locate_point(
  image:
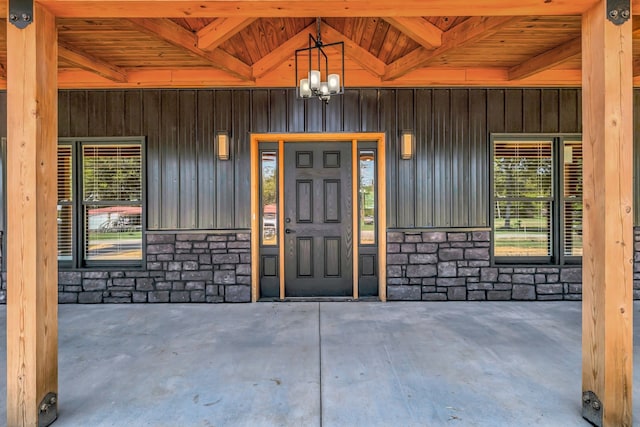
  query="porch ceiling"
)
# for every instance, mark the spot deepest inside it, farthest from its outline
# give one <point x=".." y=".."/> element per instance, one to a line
<point x="204" y="44"/>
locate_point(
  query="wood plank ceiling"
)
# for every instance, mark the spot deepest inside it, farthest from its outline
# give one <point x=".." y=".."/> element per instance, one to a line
<point x="380" y="51"/>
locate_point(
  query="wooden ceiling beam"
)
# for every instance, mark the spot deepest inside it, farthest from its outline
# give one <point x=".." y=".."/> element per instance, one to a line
<point x="286" y="50"/>
<point x="470" y="31"/>
<point x="353" y="50"/>
<point x="546" y="60"/>
<point x="179" y="36"/>
<point x="418" y="29"/>
<point x="91" y="63"/>
<point x="306" y="8"/>
<point x="220" y="30"/>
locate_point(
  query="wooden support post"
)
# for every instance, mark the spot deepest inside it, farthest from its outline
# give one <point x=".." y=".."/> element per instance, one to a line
<point x="32" y="262"/>
<point x="607" y="327"/>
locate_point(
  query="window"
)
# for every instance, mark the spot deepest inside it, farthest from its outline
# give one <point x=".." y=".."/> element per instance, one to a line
<point x="100" y="202"/>
<point x="537" y="190"/>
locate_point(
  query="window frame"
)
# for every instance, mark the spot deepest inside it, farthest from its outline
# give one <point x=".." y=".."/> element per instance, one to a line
<point x="78" y="236"/>
<point x="557" y="256"/>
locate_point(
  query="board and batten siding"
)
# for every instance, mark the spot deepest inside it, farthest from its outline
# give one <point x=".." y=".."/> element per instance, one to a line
<point x="445" y="184"/>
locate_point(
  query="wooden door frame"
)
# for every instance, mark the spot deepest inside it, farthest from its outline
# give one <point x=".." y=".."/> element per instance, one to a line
<point x="381" y="189"/>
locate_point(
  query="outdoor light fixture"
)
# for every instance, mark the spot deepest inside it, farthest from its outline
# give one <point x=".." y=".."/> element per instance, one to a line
<point x="310" y="79"/>
<point x="222" y="138"/>
<point x="406" y="145"/>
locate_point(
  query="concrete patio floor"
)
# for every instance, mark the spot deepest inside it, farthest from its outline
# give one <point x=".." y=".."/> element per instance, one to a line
<point x="313" y="364"/>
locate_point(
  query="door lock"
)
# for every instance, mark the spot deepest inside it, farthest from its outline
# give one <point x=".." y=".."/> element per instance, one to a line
<point x="289" y="231"/>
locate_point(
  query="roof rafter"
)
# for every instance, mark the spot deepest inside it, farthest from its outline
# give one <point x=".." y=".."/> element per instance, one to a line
<point x="220" y="30"/>
<point x="179" y="36"/>
<point x="357" y="53"/>
<point x="306" y="8"/>
<point x="470" y="31"/>
<point x="90" y="63"/>
<point x="418" y="29"/>
<point x="546" y="60"/>
<point x="274" y="59"/>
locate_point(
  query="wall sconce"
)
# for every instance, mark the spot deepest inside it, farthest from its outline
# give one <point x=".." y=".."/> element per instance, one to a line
<point x="406" y="145"/>
<point x="222" y="139"/>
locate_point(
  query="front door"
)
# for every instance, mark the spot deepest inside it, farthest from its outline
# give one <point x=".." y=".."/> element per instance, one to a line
<point x="318" y="219"/>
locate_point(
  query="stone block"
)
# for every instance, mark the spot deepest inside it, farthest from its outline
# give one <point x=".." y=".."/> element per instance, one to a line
<point x="573" y="297"/>
<point x="422" y="270"/>
<point x="434" y="236"/>
<point x="546" y="289"/>
<point x="480" y="236"/>
<point x="397" y="281"/>
<point x="138" y="297"/>
<point x="524" y="292"/>
<point x="456" y="237"/>
<point x="186" y="257"/>
<point x="525" y="279"/>
<point x="154" y="266"/>
<point x="505" y="270"/>
<point x="397" y="259"/>
<point x="468" y="272"/>
<point x="69" y="278"/>
<point x="413" y="238"/>
<point x="476" y="295"/>
<point x="163" y="286"/>
<point x="408" y="248"/>
<point x="165" y="248"/>
<point x="90" y="297"/>
<point x="217" y="238"/>
<point x="223" y="277"/>
<point x="477" y="254"/>
<point x="160" y="238"/>
<point x="200" y="245"/>
<point x="184" y="246"/>
<point x="191" y="237"/>
<point x="158" y="296"/>
<point x="394" y="271"/>
<point x="524" y="270"/>
<point x="94" y="284"/>
<point x="197" y="296"/>
<point x="179" y="296"/>
<point x="447" y="269"/>
<point x="504" y="278"/>
<point x="393" y="248"/>
<point x="480" y="286"/>
<point x="423" y="259"/>
<point x="450" y="281"/>
<point x="237" y="293"/>
<point x="540" y="278"/>
<point x="575" y="288"/>
<point x="239" y="245"/>
<point x="95" y="275"/>
<point x="144" y="284"/>
<point x="451" y="254"/>
<point x="165" y="257"/>
<point x="434" y="297"/>
<point x="547" y="270"/>
<point x="225" y="259"/>
<point x="243" y="280"/>
<point x="404" y="293"/>
<point x="427" y="248"/>
<point x="67" y="297"/>
<point x="488" y="274"/>
<point x="196" y="275"/>
<point x="502" y="286"/>
<point x="551" y="297"/>
<point x="124" y="282"/>
<point x="243" y="236"/>
<point x="177" y="286"/>
<point x="457" y="293"/>
<point x="498" y="295"/>
<point x="243" y="269"/>
<point x="190" y="265"/>
<point x="117" y="300"/>
<point x="571" y="275"/>
<point x="395" y="237"/>
<point x="211" y="290"/>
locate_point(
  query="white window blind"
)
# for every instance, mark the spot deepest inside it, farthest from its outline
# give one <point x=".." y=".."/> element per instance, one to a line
<point x="572" y="198"/>
<point x="65" y="202"/>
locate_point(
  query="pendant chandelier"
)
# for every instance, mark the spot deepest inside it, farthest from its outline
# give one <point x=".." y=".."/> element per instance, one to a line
<point x="312" y="66"/>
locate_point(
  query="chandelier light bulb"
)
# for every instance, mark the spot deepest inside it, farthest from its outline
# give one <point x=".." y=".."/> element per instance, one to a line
<point x="334" y="83"/>
<point x="305" y="89"/>
<point x="314" y="79"/>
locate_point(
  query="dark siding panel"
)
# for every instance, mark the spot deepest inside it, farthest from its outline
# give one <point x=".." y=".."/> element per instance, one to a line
<point x="206" y="160"/>
<point x="296" y="113"/>
<point x="369" y="110"/>
<point x="169" y="160"/>
<point x="406" y="168"/>
<point x="225" y="206"/>
<point x="78" y="114"/>
<point x="479" y="158"/>
<point x="495" y="111"/>
<point x="187" y="152"/>
<point x="151" y="128"/>
<point x="133" y="113"/>
<point x="97" y="102"/>
<point x="242" y="187"/>
<point x="442" y="157"/>
<point x="513" y="109"/>
<point x="259" y="110"/>
<point x="278" y="110"/>
<point x="389" y="124"/>
<point x="460" y="147"/>
<point x="424" y="158"/>
<point x="550" y="117"/>
<point x="315" y="115"/>
<point x="532" y="112"/>
<point x="63" y="112"/>
<point x="114" y="114"/>
<point x="351" y="105"/>
<point x="570" y="110"/>
<point x="333" y="113"/>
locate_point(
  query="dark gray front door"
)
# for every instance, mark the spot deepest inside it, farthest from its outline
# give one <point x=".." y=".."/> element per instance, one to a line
<point x="318" y="222"/>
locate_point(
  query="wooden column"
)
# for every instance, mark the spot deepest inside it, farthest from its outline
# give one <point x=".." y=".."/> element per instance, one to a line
<point x="608" y="221"/>
<point x="32" y="264"/>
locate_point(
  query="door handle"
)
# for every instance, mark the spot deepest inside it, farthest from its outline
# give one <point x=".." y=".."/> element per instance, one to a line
<point x="289" y="231"/>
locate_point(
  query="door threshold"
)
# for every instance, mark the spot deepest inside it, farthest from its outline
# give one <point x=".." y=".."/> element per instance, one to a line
<point x="320" y="299"/>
